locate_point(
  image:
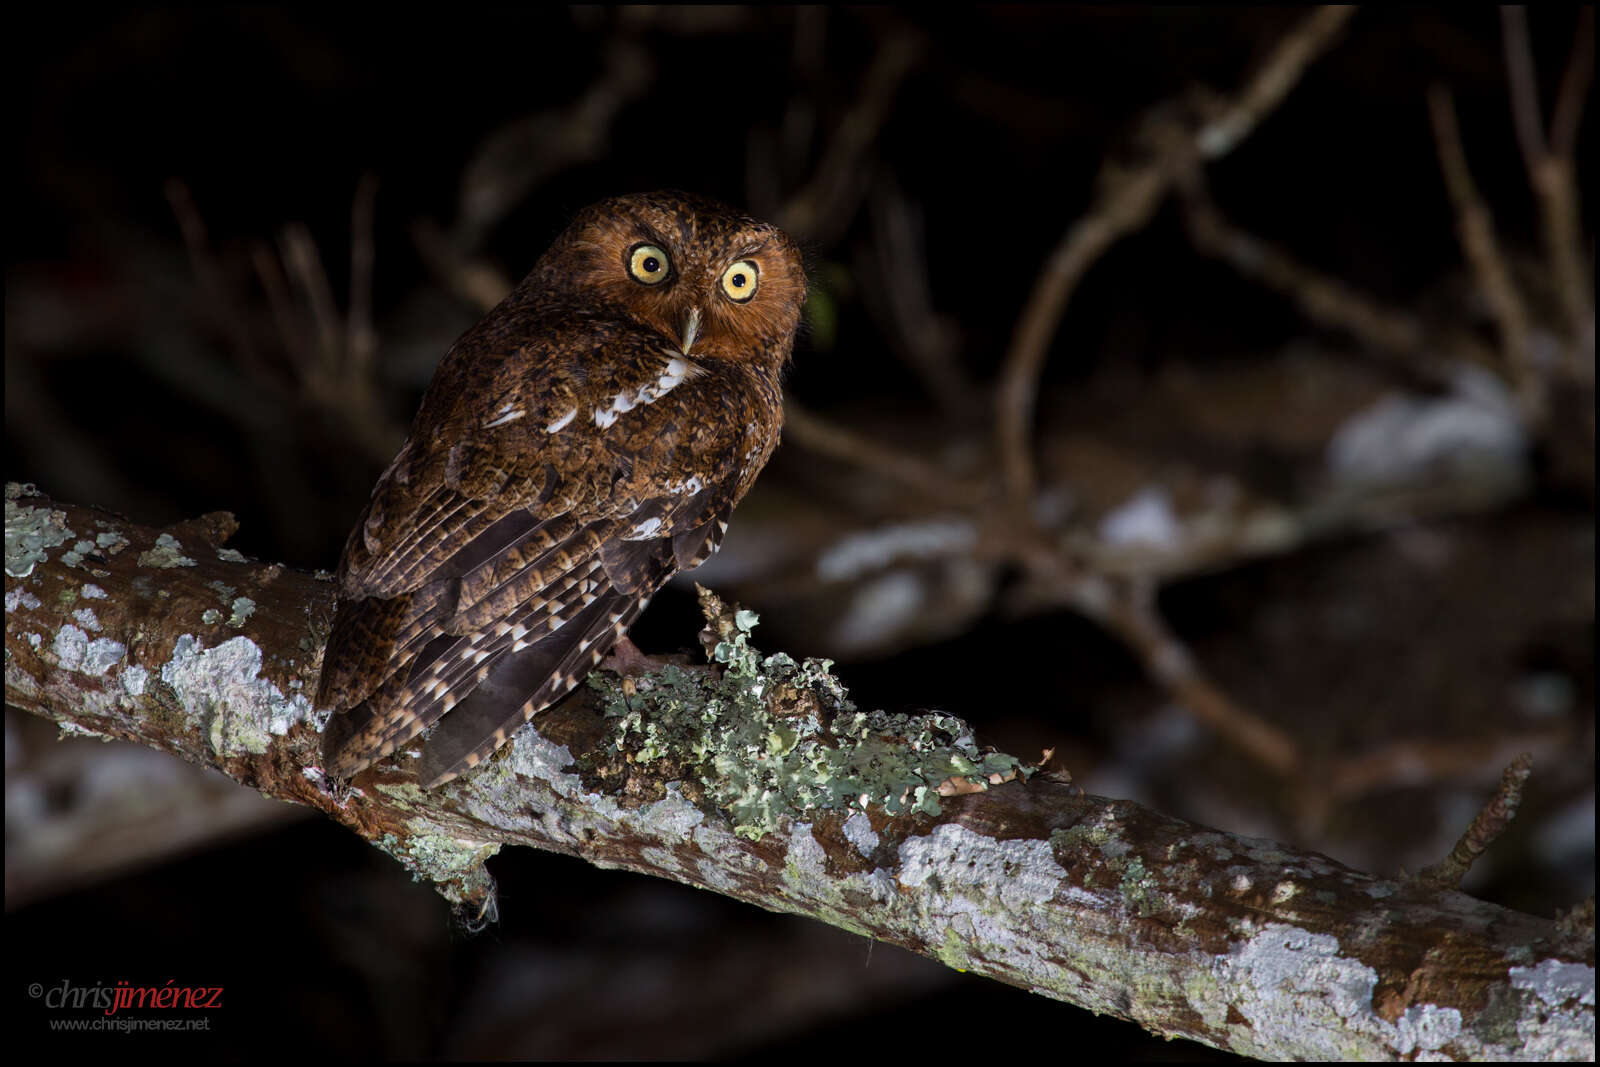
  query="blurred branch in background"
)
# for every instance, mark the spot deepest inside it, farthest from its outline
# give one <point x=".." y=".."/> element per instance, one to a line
<point x="823" y="207"/>
<point x="1553" y="172"/>
<point x="1098" y="577"/>
<point x="1126" y="199"/>
<point x="519" y="156"/>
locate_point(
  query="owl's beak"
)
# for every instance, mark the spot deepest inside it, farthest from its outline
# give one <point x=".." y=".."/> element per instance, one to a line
<point x="691" y="330"/>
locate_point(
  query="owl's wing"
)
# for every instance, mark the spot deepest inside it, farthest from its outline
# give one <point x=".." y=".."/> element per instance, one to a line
<point x="526" y="661"/>
<point x="490" y="575"/>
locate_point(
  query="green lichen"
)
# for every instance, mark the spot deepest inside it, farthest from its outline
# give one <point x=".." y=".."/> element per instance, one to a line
<point x="1139" y="887"/>
<point x="168" y="552"/>
<point x="774" y="738"/>
<point x="243" y="608"/>
<point x="454" y="866"/>
<point x="30" y="531"/>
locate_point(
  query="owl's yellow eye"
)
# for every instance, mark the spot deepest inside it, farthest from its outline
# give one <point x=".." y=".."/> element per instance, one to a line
<point x="739" y="282"/>
<point x="649" y="264"/>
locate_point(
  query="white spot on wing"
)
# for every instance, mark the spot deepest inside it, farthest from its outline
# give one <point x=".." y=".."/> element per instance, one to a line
<point x="561" y="423"/>
<point x="677" y="369"/>
<point x="504" y="418"/>
<point x="644" y="530"/>
<point x="688" y="486"/>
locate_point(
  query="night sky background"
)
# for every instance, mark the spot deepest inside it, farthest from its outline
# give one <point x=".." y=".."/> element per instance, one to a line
<point x="147" y="382"/>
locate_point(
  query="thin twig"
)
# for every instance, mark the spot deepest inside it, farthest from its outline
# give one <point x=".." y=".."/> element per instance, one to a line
<point x="1525" y="110"/>
<point x="1574" y="92"/>
<point x="361" y="338"/>
<point x="1124" y="607"/>
<point x="1490" y="822"/>
<point x="1128" y="610"/>
<point x="900" y="296"/>
<point x="210" y="274"/>
<point x="1275" y="79"/>
<point x="1553" y="175"/>
<point x="1322" y="298"/>
<point x="821" y="435"/>
<point x="1119" y="212"/>
<point x="269" y="271"/>
<point x="474" y="281"/>
<point x="1475" y="228"/>
<point x="304" y="263"/>
<point x="826" y="203"/>
<point x="1125" y="202"/>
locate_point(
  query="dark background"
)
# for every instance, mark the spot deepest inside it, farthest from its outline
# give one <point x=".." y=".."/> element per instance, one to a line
<point x="156" y="380"/>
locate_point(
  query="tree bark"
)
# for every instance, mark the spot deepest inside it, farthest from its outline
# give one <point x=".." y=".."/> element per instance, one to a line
<point x="166" y="638"/>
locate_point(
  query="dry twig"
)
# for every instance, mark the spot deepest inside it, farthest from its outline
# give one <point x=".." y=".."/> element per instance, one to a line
<point x="823" y="207"/>
<point x="1490" y="822"/>
<point x="1126" y="201"/>
<point x="1323" y="299"/>
<point x="1553" y="174"/>
<point x="1475" y="226"/>
<point x="812" y="431"/>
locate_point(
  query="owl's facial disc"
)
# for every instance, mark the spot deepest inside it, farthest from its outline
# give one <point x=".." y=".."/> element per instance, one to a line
<point x="691" y="330"/>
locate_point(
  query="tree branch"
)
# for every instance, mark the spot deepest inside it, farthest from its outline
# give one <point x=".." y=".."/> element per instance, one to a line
<point x="1125" y="201"/>
<point x="165" y="638"/>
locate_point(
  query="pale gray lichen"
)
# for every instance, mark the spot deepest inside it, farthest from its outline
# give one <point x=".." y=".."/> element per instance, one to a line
<point x="30" y="532"/>
<point x="134" y="679"/>
<point x="859" y="832"/>
<point x="102" y="654"/>
<point x="72" y="729"/>
<point x="1018" y="872"/>
<point x="231" y="555"/>
<point x="75" y="652"/>
<point x="211" y="616"/>
<point x="243" y="608"/>
<point x="91" y="591"/>
<point x="19" y="597"/>
<point x="775" y="739"/>
<point x="74" y="556"/>
<point x="1563" y="1026"/>
<point x="1556" y="983"/>
<point x="1284" y="971"/>
<point x="223" y="688"/>
<point x="981" y="889"/>
<point x="86" y="618"/>
<point x="112" y="541"/>
<point x="1424" y="1028"/>
<point x="673" y="817"/>
<point x="166" y="553"/>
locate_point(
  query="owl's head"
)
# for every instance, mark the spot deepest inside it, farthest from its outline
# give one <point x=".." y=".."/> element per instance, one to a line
<point x="716" y="283"/>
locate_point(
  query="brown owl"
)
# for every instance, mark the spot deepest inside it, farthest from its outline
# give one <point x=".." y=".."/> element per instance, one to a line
<point x="578" y="447"/>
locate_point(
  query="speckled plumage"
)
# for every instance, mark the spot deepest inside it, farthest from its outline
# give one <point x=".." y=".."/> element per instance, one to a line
<point x="578" y="447"/>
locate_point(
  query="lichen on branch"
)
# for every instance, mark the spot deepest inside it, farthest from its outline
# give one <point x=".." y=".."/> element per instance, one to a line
<point x="770" y="738"/>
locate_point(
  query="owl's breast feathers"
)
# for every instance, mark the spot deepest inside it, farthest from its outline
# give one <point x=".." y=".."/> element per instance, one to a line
<point x="554" y="479"/>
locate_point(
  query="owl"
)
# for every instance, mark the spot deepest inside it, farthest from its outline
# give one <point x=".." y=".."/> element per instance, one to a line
<point x="579" y="446"/>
